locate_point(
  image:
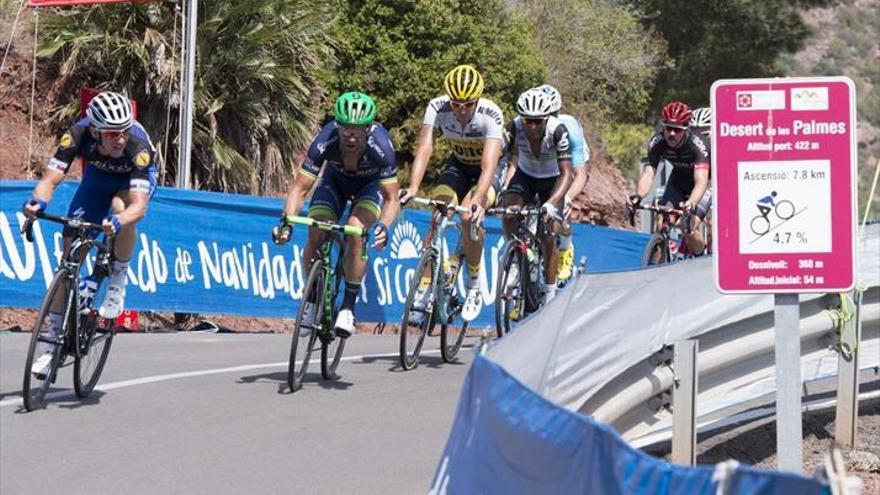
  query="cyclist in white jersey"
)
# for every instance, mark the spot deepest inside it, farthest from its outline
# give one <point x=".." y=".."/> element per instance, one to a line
<point x="580" y="157"/>
<point x="543" y="170"/>
<point x="473" y="127"/>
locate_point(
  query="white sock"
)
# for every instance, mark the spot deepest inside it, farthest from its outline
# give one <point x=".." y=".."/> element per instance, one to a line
<point x="119" y="273"/>
<point x="55" y="320"/>
<point x="564" y="241"/>
<point x="550" y="290"/>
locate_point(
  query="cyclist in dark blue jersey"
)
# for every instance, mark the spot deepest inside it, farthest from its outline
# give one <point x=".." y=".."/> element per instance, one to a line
<point x="119" y="176"/>
<point x="357" y="163"/>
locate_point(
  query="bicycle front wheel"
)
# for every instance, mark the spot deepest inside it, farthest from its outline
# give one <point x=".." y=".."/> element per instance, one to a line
<point x="95" y="335"/>
<point x="331" y="354"/>
<point x="306" y="327"/>
<point x="418" y="317"/>
<point x="509" y="291"/>
<point x="35" y="386"/>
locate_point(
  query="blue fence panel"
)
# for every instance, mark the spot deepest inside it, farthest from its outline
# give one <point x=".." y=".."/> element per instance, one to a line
<point x="205" y="252"/>
<point x="506" y="439"/>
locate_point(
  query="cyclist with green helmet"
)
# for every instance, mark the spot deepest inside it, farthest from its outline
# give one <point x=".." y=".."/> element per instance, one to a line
<point x="359" y="165"/>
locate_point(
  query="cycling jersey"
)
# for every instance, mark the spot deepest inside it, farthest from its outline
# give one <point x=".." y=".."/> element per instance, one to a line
<point x="138" y="162"/>
<point x="105" y="176"/>
<point x="376" y="166"/>
<point x="693" y="154"/>
<point x="580" y="152"/>
<point x="466" y="142"/>
<point x="555" y="146"/>
<point x="377" y="162"/>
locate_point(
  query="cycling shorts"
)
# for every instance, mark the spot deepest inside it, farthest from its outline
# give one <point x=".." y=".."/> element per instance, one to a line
<point x="93" y="197"/>
<point x="336" y="188"/>
<point x="458" y="179"/>
<point x="527" y="187"/>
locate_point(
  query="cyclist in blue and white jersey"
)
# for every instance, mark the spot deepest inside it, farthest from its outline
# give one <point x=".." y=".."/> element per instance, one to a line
<point x="120" y="168"/>
<point x="359" y="164"/>
<point x="542" y="152"/>
<point x="580" y="157"/>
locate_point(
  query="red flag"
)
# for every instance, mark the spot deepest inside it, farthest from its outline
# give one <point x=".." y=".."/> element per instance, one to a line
<point x="73" y="3"/>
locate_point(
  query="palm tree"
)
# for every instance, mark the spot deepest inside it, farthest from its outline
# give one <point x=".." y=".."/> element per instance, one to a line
<point x="259" y="65"/>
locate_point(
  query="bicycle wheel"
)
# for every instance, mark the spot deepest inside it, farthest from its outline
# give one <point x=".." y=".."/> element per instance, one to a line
<point x="305" y="332"/>
<point x="331" y="353"/>
<point x="416" y="322"/>
<point x="93" y="338"/>
<point x="509" y="293"/>
<point x="656" y="251"/>
<point x="759" y="225"/>
<point x="34" y="389"/>
<point x="784" y="209"/>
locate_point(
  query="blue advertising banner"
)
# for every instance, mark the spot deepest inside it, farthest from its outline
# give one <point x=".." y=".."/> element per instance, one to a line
<point x="203" y="252"/>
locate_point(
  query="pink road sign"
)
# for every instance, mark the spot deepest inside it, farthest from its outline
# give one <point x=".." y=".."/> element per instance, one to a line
<point x="783" y="172"/>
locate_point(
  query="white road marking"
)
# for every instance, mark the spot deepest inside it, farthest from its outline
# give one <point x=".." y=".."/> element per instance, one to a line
<point x="188" y="374"/>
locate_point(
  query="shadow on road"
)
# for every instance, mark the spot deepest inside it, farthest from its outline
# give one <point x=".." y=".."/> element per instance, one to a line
<point x="65" y="399"/>
<point x="428" y="361"/>
<point x="279" y="378"/>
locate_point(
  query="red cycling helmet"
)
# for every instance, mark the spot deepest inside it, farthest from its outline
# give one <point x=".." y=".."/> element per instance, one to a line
<point x="676" y="113"/>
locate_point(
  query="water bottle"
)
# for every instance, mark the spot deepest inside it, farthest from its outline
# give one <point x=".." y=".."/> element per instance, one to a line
<point x="87" y="290"/>
<point x="450" y="269"/>
<point x="533" y="265"/>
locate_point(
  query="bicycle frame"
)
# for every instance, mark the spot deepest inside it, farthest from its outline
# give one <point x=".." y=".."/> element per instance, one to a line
<point x="442" y="296"/>
<point x="80" y="246"/>
<point x="324" y="253"/>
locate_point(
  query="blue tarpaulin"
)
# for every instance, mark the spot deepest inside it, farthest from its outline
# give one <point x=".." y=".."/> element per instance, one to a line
<point x="507" y="439"/>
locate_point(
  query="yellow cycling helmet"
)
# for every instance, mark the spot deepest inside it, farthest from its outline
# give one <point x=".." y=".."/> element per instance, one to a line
<point x="463" y="83"/>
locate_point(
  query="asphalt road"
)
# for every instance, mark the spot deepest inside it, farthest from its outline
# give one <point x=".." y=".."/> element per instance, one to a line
<point x="210" y="413"/>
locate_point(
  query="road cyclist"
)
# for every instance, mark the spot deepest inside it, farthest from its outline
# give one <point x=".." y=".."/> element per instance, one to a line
<point x="353" y="160"/>
<point x="473" y="128"/>
<point x="120" y="168"/>
<point x="688" y="188"/>
<point x="580" y="156"/>
<point x="540" y="155"/>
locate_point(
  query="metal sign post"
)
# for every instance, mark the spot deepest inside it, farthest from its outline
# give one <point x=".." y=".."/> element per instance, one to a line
<point x="783" y="172"/>
<point x="186" y="104"/>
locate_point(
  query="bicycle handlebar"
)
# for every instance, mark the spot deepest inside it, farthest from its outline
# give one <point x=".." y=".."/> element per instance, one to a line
<point x="440" y="205"/>
<point x="75" y="223"/>
<point x="527" y="211"/>
<point x="327" y="226"/>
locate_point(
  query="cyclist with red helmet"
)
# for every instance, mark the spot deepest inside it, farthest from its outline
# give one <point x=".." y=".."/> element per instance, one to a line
<point x="688" y="154"/>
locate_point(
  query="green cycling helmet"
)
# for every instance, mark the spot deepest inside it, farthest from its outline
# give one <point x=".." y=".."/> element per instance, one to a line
<point x="354" y="108"/>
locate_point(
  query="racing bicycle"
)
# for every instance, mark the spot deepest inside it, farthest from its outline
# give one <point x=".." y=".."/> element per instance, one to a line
<point x="520" y="287"/>
<point x="84" y="336"/>
<point x="321" y="289"/>
<point x="667" y="243"/>
<point x="439" y="302"/>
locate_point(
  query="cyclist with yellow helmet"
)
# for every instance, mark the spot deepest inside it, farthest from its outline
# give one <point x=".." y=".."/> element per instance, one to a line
<point x="359" y="165"/>
<point x="473" y="127"/>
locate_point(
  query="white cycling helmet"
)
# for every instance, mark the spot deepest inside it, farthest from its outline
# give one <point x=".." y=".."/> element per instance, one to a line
<point x="534" y="103"/>
<point x="109" y="111"/>
<point x="555" y="97"/>
<point x="702" y="117"/>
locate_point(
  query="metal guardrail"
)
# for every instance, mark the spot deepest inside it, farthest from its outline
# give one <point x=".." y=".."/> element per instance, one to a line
<point x="735" y="368"/>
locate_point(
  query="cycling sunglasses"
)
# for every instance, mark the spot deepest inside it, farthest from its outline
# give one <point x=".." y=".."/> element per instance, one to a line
<point x="110" y="134"/>
<point x="674" y="128"/>
<point x="534" y="121"/>
<point x="467" y="105"/>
